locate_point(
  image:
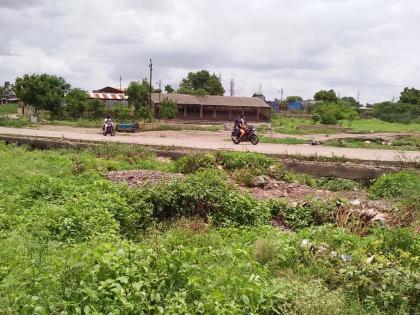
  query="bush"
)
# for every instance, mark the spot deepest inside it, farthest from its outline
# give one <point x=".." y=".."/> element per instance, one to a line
<point x="237" y="160"/>
<point x="245" y="176"/>
<point x="194" y="162"/>
<point x="122" y="112"/>
<point x="395" y="185"/>
<point x="299" y="178"/>
<point x="206" y="194"/>
<point x="337" y="184"/>
<point x="168" y="109"/>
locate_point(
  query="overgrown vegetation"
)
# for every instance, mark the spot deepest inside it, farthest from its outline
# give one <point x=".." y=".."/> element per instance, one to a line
<point x="73" y="242"/>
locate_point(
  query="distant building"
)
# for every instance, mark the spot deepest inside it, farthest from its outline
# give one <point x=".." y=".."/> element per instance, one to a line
<point x="295" y="105"/>
<point x="9" y="95"/>
<point x="274" y="105"/>
<point x="111" y="96"/>
<point x="220" y="108"/>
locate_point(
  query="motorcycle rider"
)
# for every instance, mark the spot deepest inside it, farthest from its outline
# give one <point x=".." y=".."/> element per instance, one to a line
<point x="107" y="121"/>
<point x="242" y="126"/>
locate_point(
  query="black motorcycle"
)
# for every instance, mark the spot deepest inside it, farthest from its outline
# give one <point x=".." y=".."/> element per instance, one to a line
<point x="108" y="130"/>
<point x="248" y="136"/>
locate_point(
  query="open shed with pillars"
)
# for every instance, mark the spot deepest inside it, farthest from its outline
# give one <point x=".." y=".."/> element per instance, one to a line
<point x="215" y="108"/>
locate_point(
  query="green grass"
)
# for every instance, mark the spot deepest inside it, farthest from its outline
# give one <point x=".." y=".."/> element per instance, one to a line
<point x="6" y="109"/>
<point x="71" y="242"/>
<point x="266" y="139"/>
<point x="376" y="125"/>
<point x="15" y="123"/>
<point x="290" y="125"/>
<point x="409" y="143"/>
<point x="82" y="123"/>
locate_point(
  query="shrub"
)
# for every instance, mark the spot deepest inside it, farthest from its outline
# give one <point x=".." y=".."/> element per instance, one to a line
<point x="265" y="251"/>
<point x="245" y="176"/>
<point x="122" y="112"/>
<point x="337" y="184"/>
<point x="236" y="160"/>
<point x="277" y="171"/>
<point x="168" y="109"/>
<point x="206" y="194"/>
<point x="395" y="185"/>
<point x="299" y="178"/>
<point x="194" y="162"/>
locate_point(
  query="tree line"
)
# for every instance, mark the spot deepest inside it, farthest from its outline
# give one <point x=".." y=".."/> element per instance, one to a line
<point x="56" y="96"/>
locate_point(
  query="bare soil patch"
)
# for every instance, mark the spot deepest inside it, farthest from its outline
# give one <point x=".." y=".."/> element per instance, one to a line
<point x="142" y="177"/>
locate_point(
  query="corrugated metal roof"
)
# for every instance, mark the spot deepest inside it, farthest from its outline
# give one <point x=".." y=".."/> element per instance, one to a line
<point x="106" y="96"/>
<point x="211" y="100"/>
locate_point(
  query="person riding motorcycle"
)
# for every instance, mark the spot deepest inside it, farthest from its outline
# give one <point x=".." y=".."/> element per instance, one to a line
<point x="242" y="126"/>
<point x="107" y="120"/>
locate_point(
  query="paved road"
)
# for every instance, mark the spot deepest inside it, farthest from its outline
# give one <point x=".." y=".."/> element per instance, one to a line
<point x="209" y="140"/>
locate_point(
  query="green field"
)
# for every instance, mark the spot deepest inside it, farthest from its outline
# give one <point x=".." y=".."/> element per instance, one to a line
<point x="293" y="125"/>
<point x="72" y="242"/>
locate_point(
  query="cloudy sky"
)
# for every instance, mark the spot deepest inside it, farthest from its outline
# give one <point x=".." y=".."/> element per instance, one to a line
<point x="300" y="46"/>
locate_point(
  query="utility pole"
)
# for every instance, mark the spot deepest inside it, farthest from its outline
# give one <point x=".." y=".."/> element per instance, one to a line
<point x="259" y="89"/>
<point x="150" y="88"/>
<point x="358" y="96"/>
<point x="120" y="82"/>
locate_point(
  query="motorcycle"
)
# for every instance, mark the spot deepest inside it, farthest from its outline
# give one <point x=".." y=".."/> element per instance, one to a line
<point x="108" y="129"/>
<point x="248" y="136"/>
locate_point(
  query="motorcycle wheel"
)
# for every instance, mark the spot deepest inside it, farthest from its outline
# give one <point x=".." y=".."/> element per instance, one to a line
<point x="254" y="140"/>
<point x="235" y="140"/>
<point x="104" y="133"/>
<point x="112" y="132"/>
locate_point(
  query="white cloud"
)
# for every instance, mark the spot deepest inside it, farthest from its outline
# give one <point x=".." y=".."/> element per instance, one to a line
<point x="300" y="46"/>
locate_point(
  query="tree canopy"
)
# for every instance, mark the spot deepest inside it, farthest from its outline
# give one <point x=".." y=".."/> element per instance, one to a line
<point x="326" y="96"/>
<point x="42" y="91"/>
<point x="293" y="99"/>
<point x="169" y="89"/>
<point x="201" y="83"/>
<point x="76" y="102"/>
<point x="138" y="97"/>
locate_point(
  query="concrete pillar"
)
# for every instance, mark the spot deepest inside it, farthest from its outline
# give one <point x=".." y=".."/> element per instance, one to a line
<point x="230" y="114"/>
<point x="185" y="111"/>
<point x="201" y="112"/>
<point x="258" y="114"/>
<point x="214" y="113"/>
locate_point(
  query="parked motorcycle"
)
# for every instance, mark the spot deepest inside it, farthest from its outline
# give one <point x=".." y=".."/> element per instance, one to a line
<point x="249" y="136"/>
<point x="108" y="129"/>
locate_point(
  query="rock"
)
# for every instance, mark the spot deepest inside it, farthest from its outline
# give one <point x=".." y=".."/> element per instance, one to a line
<point x="322" y="249"/>
<point x="380" y="217"/>
<point x="294" y="204"/>
<point x="305" y="243"/>
<point x="370" y="259"/>
<point x="355" y="202"/>
<point x="333" y="253"/>
<point x="345" y="258"/>
<point x="367" y="142"/>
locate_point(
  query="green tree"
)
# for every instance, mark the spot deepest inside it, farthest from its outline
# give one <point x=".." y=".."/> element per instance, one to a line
<point x="76" y="102"/>
<point x="168" y="109"/>
<point x="169" y="89"/>
<point x="331" y="113"/>
<point x="351" y="101"/>
<point x="95" y="108"/>
<point x="326" y="96"/>
<point x="290" y="99"/>
<point x="1" y="92"/>
<point x="42" y="91"/>
<point x="201" y="80"/>
<point x="138" y="97"/>
<point x="410" y="96"/>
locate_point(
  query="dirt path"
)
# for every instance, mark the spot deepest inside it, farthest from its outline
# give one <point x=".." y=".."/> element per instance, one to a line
<point x="209" y="140"/>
